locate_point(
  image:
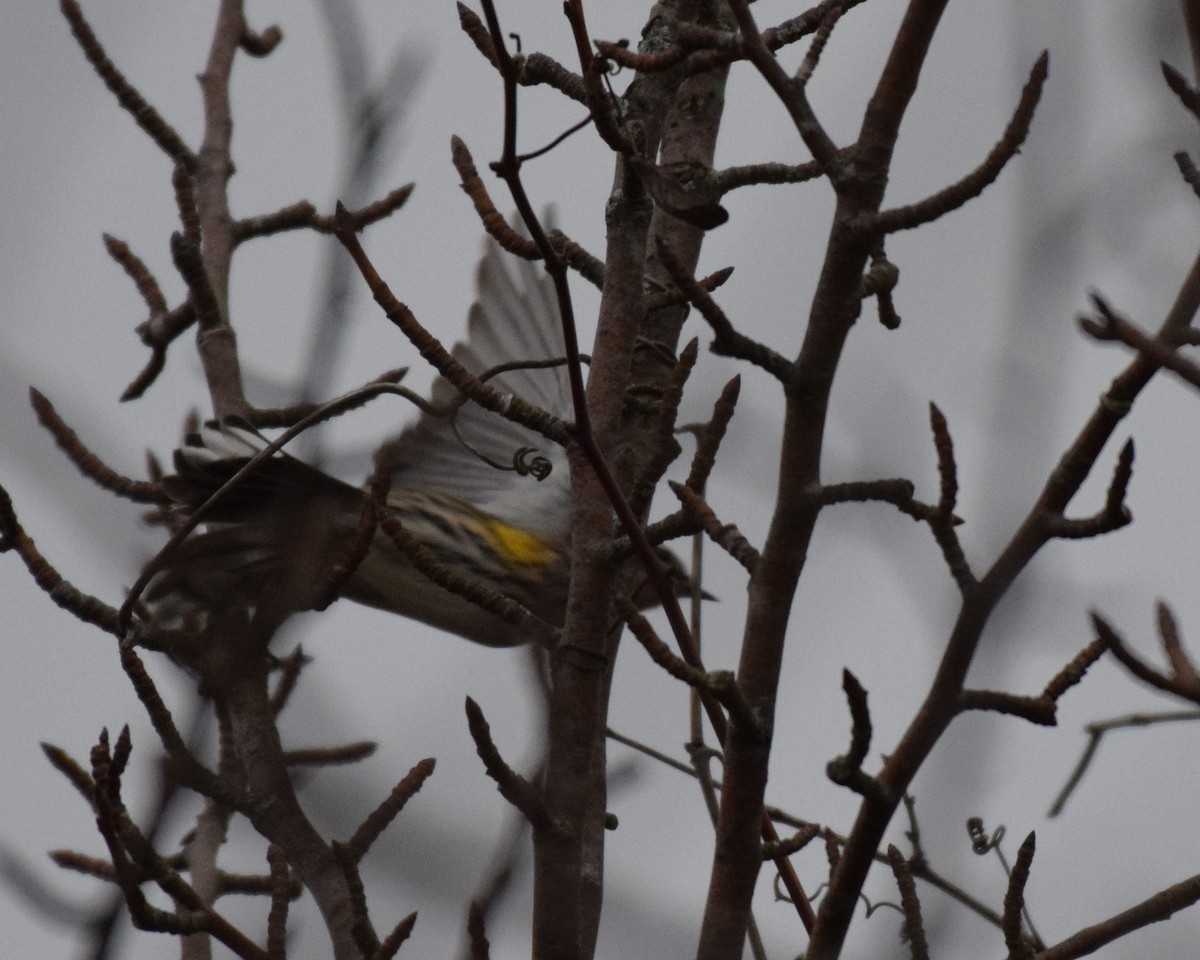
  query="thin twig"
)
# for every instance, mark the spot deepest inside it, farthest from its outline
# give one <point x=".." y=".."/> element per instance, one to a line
<point x="512" y="786"/>
<point x="146" y="117"/>
<point x="942" y="522"/>
<point x="846" y="770"/>
<point x="1112" y="326"/>
<point x="728" y="342"/>
<point x="1096" y="731"/>
<point x="90" y="465"/>
<point x="390" y="945"/>
<point x="1019" y="947"/>
<point x="378" y="820"/>
<point x="1153" y="909"/>
<point x="1185" y="687"/>
<point x="724" y="535"/>
<point x="910" y="905"/>
<point x="972" y="185"/>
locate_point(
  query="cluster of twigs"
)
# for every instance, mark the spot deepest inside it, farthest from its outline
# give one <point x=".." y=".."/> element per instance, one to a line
<point x="661" y="134"/>
<point x="229" y="657"/>
<point x="134" y="861"/>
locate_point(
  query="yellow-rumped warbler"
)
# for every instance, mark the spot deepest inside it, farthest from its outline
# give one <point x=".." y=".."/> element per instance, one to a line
<point x="275" y="537"/>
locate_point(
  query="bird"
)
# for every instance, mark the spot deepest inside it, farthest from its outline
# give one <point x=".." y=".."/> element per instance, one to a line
<point x="272" y="540"/>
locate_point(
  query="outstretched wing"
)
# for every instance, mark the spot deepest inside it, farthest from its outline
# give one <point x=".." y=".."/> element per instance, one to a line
<point x="515" y="318"/>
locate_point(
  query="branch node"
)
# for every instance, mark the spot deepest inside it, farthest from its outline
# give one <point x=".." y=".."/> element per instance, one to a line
<point x="726" y="536"/>
<point x="846" y="770"/>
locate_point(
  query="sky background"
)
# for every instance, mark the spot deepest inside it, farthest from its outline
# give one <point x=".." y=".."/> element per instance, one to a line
<point x="988" y="298"/>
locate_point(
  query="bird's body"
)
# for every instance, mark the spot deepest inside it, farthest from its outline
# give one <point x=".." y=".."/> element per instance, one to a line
<point x="276" y="536"/>
<point x="519" y="564"/>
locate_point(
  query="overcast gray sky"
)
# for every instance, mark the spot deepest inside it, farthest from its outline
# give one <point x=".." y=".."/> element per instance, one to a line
<point x="988" y="299"/>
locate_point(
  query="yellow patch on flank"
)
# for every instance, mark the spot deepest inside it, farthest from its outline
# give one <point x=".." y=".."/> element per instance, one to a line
<point x="518" y="546"/>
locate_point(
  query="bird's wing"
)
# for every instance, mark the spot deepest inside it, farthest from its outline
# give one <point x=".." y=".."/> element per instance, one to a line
<point x="514" y="318"/>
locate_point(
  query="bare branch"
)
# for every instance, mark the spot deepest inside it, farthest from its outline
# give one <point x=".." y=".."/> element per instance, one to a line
<point x="820" y="38"/>
<point x="983" y="176"/>
<point x="791" y="92"/>
<point x="290" y="668"/>
<point x="726" y="536"/>
<point x="1181" y="664"/>
<point x="157" y="333"/>
<point x="135" y="861"/>
<point x="477" y="934"/>
<point x="666" y="447"/>
<point x="373" y="826"/>
<point x="942" y="521"/>
<point x="793" y="844"/>
<point x="280" y="902"/>
<point x="1185" y="687"/>
<point x="659" y="652"/>
<point x="81" y="863"/>
<point x="146" y="117"/>
<point x="260" y="44"/>
<point x="1096" y="731"/>
<point x="330" y="756"/>
<point x="590" y="267"/>
<point x="538" y="68"/>
<point x="303" y="216"/>
<point x="508" y="406"/>
<point x="88" y="463"/>
<point x="512" y="786"/>
<point x="654" y="61"/>
<point x="1187" y="169"/>
<point x="535" y="69"/>
<point x="361" y="929"/>
<point x="1182" y="89"/>
<point x="910" y="905"/>
<point x="138" y="272"/>
<point x="687" y="191"/>
<point x="477" y="30"/>
<point x="163" y="324"/>
<point x="391" y="944"/>
<point x="1112" y="326"/>
<point x="1019" y="947"/>
<point x="846" y="770"/>
<point x="1038" y="710"/>
<point x="184" y="185"/>
<point x="186" y="255"/>
<point x="1154" y="909"/>
<point x="898" y="492"/>
<point x="728" y="342"/>
<point x="79" y="778"/>
<point x="719" y="686"/>
<point x="184" y="764"/>
<point x="1074" y="671"/>
<point x="709" y="443"/>
<point x="83" y="606"/>
<point x="879" y="282"/>
<point x="755" y="173"/>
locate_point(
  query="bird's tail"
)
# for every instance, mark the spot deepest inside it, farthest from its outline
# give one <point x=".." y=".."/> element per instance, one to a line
<point x="272" y="537"/>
